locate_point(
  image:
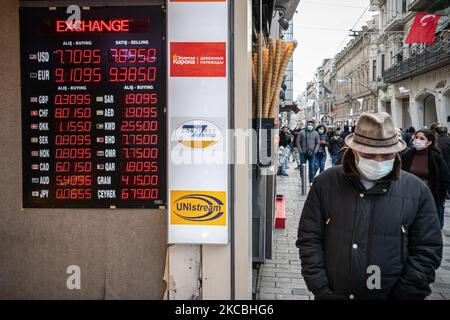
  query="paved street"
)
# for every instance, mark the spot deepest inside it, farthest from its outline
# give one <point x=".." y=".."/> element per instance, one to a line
<point x="281" y="277"/>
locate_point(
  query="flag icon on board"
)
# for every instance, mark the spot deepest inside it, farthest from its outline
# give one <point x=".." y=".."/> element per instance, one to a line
<point x="35" y="193"/>
<point x="34" y="126"/>
<point x="33" y="99"/>
<point x="34" y="153"/>
<point x="34" y="167"/>
<point x="34" y="113"/>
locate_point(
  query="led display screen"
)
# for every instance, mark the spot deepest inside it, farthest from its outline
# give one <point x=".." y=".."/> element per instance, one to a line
<point x="93" y="108"/>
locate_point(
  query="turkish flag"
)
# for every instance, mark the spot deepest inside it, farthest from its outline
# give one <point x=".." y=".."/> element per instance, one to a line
<point x="423" y="28"/>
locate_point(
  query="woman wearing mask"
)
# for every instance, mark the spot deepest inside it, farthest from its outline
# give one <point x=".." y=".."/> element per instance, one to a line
<point x="321" y="155"/>
<point x="426" y="162"/>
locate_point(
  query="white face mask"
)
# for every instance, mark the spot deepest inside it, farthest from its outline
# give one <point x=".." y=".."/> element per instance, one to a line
<point x="419" y="144"/>
<point x="374" y="170"/>
<point x="310" y="127"/>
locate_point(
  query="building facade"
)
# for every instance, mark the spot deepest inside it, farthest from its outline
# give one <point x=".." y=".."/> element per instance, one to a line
<point x="413" y="80"/>
<point x="326" y="76"/>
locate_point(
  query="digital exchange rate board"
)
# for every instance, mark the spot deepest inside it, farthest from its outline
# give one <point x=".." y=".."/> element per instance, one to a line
<point x="93" y="108"/>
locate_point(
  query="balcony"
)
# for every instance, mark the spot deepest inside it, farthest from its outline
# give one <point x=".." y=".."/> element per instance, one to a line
<point x="428" y="6"/>
<point x="396" y="23"/>
<point x="423" y="60"/>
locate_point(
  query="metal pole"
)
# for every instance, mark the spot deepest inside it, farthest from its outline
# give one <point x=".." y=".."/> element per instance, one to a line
<point x="303" y="178"/>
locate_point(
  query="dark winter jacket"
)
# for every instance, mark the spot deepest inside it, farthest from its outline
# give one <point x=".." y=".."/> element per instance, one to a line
<point x="444" y="144"/>
<point x="409" y="139"/>
<point x="335" y="145"/>
<point x="344" y="134"/>
<point x="323" y="147"/>
<point x="345" y="229"/>
<point x="285" y="139"/>
<point x="438" y="174"/>
<point x="294" y="137"/>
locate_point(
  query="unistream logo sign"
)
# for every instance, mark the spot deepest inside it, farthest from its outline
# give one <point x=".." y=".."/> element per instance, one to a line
<point x="205" y="208"/>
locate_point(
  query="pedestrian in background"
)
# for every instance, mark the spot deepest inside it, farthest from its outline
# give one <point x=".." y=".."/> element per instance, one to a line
<point x="330" y="133"/>
<point x="444" y="142"/>
<point x="346" y="132"/>
<point x="365" y="213"/>
<point x="425" y="161"/>
<point x="285" y="143"/>
<point x="295" y="152"/>
<point x="308" y="143"/>
<point x="335" y="145"/>
<point x="444" y="145"/>
<point x="410" y="136"/>
<point x="401" y="136"/>
<point x="321" y="155"/>
<point x="433" y="127"/>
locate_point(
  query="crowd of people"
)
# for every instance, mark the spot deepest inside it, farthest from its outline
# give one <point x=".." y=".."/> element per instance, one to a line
<point x="311" y="144"/>
<point x="378" y="215"/>
<point x="427" y="154"/>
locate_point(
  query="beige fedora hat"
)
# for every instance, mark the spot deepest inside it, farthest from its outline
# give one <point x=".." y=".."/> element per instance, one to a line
<point x="375" y="134"/>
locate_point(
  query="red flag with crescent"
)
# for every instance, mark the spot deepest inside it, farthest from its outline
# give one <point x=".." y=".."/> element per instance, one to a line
<point x="423" y="28"/>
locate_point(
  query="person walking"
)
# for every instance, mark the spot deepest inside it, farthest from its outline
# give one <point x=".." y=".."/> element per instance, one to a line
<point x="368" y="219"/>
<point x="425" y="161"/>
<point x="346" y="132"/>
<point x="335" y="145"/>
<point x="285" y="148"/>
<point x="330" y="133"/>
<point x="321" y="155"/>
<point x="308" y="142"/>
<point x="444" y="142"/>
<point x="295" y="152"/>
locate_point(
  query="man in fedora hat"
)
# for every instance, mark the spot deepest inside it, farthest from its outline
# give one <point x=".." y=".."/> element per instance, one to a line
<point x="369" y="230"/>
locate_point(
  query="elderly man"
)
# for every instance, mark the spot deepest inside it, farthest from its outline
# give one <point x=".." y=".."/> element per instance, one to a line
<point x="369" y="230"/>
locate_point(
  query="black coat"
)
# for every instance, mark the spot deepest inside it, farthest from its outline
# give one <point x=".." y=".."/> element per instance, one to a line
<point x="335" y="146"/>
<point x="409" y="138"/>
<point x="344" y="134"/>
<point x="444" y="144"/>
<point x="344" y="229"/>
<point x="438" y="176"/>
<point x="285" y="139"/>
<point x="323" y="147"/>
